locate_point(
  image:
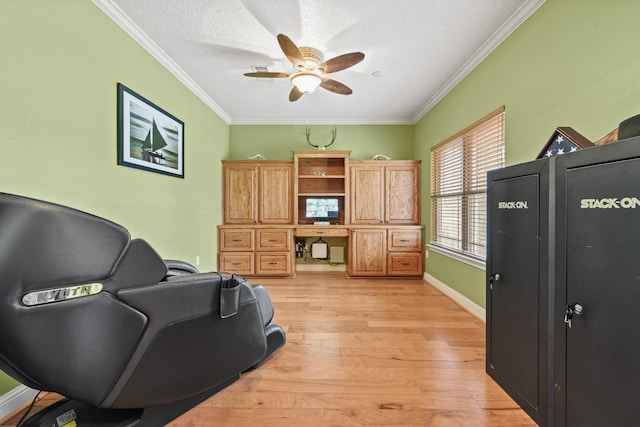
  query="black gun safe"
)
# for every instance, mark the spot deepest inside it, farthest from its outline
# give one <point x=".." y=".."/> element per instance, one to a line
<point x="518" y="283"/>
<point x="568" y="303"/>
<point x="597" y="359"/>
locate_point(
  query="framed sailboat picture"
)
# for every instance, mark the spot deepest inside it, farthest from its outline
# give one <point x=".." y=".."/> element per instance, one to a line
<point x="149" y="138"/>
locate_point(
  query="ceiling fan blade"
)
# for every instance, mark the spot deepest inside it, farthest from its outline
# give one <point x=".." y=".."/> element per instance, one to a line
<point x="291" y="51"/>
<point x="341" y="62"/>
<point x="267" y="74"/>
<point x="336" y="87"/>
<point x="295" y="94"/>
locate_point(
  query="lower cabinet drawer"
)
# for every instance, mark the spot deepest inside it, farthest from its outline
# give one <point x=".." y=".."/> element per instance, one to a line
<point x="404" y="241"/>
<point x="404" y="264"/>
<point x="320" y="230"/>
<point x="273" y="240"/>
<point x="235" y="239"/>
<point x="236" y="262"/>
<point x="273" y="264"/>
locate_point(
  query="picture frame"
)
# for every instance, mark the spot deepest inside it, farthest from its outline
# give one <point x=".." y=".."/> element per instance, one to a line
<point x="149" y="138"/>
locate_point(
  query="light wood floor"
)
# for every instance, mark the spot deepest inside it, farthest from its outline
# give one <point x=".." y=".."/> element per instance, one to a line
<point x="364" y="352"/>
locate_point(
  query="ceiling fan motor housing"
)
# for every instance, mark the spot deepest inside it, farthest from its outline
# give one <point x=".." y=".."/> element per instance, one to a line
<point x="312" y="57"/>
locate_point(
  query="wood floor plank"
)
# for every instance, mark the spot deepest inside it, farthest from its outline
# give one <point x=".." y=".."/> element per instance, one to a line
<point x="365" y="352"/>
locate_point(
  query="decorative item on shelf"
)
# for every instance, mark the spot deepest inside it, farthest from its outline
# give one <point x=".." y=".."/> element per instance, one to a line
<point x="334" y="133"/>
<point x="626" y="129"/>
<point x="608" y="138"/>
<point x="564" y="140"/>
<point x="629" y="128"/>
<point x="380" y="157"/>
<point x="257" y="157"/>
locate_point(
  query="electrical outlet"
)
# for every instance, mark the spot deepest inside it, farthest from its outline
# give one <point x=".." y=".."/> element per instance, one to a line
<point x="198" y="260"/>
<point x="426" y="254"/>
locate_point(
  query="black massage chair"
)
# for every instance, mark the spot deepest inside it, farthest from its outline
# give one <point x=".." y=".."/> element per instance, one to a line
<point x="128" y="338"/>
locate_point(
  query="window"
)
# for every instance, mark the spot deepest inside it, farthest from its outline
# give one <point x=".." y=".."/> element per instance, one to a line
<point x="459" y="168"/>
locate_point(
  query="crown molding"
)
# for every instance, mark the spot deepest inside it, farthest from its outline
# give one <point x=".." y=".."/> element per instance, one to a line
<point x="519" y="16"/>
<point x="326" y="121"/>
<point x="119" y="17"/>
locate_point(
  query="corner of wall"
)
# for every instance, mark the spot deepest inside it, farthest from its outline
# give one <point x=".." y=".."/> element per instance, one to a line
<point x="15" y="400"/>
<point x="458" y="298"/>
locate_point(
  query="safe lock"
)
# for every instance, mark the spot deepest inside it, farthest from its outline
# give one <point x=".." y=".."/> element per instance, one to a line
<point x="494" y="278"/>
<point x="570" y="311"/>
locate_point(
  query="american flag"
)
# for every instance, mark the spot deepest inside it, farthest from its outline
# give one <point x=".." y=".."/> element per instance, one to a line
<point x="560" y="145"/>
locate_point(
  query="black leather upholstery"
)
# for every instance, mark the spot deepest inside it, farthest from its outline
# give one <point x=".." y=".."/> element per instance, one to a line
<point x="142" y="337"/>
<point x="179" y="268"/>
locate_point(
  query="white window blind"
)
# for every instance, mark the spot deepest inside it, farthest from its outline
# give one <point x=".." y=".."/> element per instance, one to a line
<point x="459" y="168"/>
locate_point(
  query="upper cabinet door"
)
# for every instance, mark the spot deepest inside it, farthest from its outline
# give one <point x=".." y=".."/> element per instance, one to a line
<point x="240" y="193"/>
<point x="385" y="192"/>
<point x="258" y="192"/>
<point x="276" y="198"/>
<point x="402" y="201"/>
<point x="367" y="194"/>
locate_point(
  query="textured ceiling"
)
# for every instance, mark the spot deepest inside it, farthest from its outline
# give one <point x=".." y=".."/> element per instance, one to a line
<point x="415" y="51"/>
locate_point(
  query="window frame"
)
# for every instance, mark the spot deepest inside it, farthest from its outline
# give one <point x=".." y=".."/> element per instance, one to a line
<point x="463" y="182"/>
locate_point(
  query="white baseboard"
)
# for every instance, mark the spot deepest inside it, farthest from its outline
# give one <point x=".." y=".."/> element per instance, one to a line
<point x="15" y="399"/>
<point x="458" y="298"/>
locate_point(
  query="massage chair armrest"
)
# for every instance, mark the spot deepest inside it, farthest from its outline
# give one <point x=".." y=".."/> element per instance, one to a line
<point x="187" y="337"/>
<point x="179" y="268"/>
<point x="181" y="297"/>
<point x="265" y="303"/>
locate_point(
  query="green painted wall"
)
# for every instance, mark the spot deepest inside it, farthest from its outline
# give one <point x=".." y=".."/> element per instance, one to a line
<point x="277" y="142"/>
<point x="61" y="61"/>
<point x="572" y="63"/>
<point x="7" y="383"/>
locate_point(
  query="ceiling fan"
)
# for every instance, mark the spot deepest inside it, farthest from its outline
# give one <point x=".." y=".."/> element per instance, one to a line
<point x="310" y="70"/>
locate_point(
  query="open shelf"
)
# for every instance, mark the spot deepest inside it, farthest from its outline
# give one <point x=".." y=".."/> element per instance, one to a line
<point x="321" y="174"/>
<point x="320" y="167"/>
<point x="320" y="185"/>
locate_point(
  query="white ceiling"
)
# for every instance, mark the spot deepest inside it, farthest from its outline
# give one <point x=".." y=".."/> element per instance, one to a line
<point x="415" y="51"/>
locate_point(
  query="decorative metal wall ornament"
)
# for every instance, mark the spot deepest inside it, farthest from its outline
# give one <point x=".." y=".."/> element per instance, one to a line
<point x="334" y="132"/>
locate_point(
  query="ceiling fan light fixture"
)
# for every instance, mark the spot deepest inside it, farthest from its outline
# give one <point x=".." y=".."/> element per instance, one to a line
<point x="310" y="70"/>
<point x="306" y="82"/>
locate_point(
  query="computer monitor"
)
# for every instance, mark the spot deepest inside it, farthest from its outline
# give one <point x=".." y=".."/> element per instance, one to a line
<point x="322" y="208"/>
